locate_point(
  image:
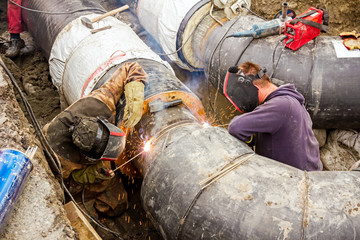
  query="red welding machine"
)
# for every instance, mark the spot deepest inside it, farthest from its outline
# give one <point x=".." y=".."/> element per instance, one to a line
<point x="305" y="27"/>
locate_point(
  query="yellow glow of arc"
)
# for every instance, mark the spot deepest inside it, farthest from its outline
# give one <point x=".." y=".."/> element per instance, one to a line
<point x="206" y="125"/>
<point x="147" y="146"/>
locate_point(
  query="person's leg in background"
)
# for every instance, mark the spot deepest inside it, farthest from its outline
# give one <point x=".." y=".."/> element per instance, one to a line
<point x="15" y="28"/>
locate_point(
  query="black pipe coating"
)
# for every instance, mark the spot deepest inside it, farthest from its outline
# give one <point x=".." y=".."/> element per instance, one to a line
<point x="44" y="27"/>
<point x="329" y="84"/>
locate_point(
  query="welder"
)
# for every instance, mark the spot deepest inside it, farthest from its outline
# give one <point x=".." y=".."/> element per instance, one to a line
<point x="273" y="117"/>
<point x="86" y="138"/>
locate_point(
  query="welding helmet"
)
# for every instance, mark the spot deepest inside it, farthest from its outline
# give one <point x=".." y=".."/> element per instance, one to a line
<point x="240" y="90"/>
<point x="98" y="139"/>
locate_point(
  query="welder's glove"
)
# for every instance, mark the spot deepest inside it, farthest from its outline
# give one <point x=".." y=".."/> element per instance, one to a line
<point x="134" y="94"/>
<point x="90" y="174"/>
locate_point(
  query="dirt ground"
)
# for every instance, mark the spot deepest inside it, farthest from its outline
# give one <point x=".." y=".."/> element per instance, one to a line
<point x="344" y="14"/>
<point x="32" y="75"/>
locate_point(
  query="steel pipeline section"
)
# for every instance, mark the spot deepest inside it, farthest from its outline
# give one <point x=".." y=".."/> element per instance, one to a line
<point x="328" y="82"/>
<point x="202" y="182"/>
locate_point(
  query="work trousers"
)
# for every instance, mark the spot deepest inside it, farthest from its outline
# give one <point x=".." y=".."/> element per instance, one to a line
<point x="14" y="17"/>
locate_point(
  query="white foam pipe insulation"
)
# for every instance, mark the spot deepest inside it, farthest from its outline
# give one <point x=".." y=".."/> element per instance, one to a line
<point x="76" y="53"/>
<point x="199" y="183"/>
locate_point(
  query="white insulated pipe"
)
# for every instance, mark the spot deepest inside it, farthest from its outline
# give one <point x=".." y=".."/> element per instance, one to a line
<point x="162" y="19"/>
<point x="79" y="58"/>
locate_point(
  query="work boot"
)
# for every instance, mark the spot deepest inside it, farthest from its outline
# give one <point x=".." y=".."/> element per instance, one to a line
<point x="15" y="46"/>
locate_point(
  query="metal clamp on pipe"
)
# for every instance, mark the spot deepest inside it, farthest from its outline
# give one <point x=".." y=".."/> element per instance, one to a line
<point x="158" y="105"/>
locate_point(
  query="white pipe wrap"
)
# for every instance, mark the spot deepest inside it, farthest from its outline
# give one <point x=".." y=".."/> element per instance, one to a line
<point x="75" y="77"/>
<point x="162" y="19"/>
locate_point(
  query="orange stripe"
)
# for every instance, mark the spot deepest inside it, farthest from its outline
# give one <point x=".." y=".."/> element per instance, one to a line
<point x="107" y="159"/>
<point x="117" y="134"/>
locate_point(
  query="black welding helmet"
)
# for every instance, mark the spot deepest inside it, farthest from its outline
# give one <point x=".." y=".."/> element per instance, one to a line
<point x="98" y="139"/>
<point x="240" y="90"/>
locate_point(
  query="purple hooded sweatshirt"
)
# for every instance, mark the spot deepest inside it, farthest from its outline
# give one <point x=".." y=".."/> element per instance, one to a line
<point x="283" y="129"/>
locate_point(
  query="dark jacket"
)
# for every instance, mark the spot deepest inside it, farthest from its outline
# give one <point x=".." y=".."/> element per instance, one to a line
<point x="283" y="129"/>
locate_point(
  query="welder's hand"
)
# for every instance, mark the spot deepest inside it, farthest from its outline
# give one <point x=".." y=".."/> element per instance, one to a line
<point x="90" y="174"/>
<point x="134" y="94"/>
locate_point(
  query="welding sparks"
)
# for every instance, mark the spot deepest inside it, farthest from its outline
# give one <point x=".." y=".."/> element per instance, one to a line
<point x="147" y="146"/>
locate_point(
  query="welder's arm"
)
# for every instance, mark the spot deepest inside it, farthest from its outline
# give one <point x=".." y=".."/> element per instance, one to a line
<point x="261" y="120"/>
<point x="112" y="90"/>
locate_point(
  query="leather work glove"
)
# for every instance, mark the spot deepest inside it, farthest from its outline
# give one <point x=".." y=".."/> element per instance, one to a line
<point x="90" y="174"/>
<point x="134" y="94"/>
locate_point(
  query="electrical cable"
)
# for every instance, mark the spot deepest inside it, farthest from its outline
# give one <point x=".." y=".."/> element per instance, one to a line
<point x="57" y="13"/>
<point x="55" y="164"/>
<point x="282" y="50"/>
<point x="243" y="51"/>
<point x="218" y="85"/>
<point x="54" y="160"/>
<point x="212" y="58"/>
<point x="245" y="6"/>
<point x="273" y="55"/>
<point x="237" y="61"/>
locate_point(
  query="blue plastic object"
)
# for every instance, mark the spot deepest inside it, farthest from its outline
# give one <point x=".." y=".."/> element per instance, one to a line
<point x="262" y="29"/>
<point x="14" y="170"/>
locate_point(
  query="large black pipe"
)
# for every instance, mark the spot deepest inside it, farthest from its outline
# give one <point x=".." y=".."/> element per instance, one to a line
<point x="257" y="198"/>
<point x="329" y="84"/>
<point x="45" y="27"/>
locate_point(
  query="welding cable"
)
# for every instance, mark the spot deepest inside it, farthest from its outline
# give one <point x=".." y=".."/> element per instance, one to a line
<point x="243" y="51"/>
<point x="233" y="164"/>
<point x="211" y="62"/>
<point x="218" y="85"/>
<point x="54" y="163"/>
<point x="282" y="50"/>
<point x="273" y="54"/>
<point x="241" y="54"/>
<point x="244" y="5"/>
<point x="54" y="160"/>
<point x="57" y="13"/>
<point x="237" y="61"/>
